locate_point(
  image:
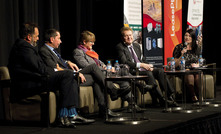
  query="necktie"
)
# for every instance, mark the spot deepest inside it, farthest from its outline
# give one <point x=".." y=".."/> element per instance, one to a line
<point x="62" y="60"/>
<point x="136" y="60"/>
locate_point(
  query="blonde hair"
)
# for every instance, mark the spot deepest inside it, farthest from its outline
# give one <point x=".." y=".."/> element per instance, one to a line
<point x="87" y="36"/>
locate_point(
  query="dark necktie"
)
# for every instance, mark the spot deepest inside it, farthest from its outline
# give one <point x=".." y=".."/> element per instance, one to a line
<point x="136" y="60"/>
<point x="62" y="60"/>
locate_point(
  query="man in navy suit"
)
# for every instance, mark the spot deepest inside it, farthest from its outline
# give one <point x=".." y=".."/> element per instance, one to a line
<point x="130" y="53"/>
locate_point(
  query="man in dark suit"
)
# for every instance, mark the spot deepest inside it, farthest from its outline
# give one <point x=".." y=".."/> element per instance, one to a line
<point x="91" y="75"/>
<point x="25" y="62"/>
<point x="130" y="53"/>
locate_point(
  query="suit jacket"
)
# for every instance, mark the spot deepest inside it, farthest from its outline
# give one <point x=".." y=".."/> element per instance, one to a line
<point x="83" y="60"/>
<point x="26" y="67"/>
<point x="125" y="56"/>
<point x="50" y="58"/>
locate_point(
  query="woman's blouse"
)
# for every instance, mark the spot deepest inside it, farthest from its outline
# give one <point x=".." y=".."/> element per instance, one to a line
<point x="190" y="56"/>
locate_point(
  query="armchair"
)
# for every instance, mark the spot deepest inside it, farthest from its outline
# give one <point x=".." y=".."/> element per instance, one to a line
<point x="40" y="107"/>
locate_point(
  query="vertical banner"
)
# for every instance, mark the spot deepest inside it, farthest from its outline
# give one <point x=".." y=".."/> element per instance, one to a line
<point x="152" y="32"/>
<point x="195" y="18"/>
<point x="132" y="18"/>
<point x="172" y="26"/>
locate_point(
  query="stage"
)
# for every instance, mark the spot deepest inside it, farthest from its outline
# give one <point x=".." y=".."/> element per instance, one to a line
<point x="206" y="121"/>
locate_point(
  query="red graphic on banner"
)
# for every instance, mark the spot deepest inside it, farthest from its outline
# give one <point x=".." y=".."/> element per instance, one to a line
<point x="172" y="26"/>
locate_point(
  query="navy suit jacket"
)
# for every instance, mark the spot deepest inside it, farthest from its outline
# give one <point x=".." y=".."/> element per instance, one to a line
<point x="125" y="56"/>
<point x="50" y="58"/>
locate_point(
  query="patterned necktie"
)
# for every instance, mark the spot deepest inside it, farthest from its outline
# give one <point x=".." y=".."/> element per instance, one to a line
<point x="62" y="60"/>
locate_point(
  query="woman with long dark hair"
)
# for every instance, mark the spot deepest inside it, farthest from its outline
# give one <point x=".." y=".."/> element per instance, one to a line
<point x="190" y="50"/>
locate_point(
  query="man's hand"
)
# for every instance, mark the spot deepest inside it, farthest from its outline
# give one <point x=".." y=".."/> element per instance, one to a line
<point x="73" y="66"/>
<point x="83" y="79"/>
<point x="59" y="68"/>
<point x="148" y="67"/>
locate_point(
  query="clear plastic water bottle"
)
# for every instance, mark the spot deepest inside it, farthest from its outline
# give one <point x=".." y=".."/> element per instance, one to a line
<point x="182" y="63"/>
<point x="109" y="68"/>
<point x="117" y="68"/>
<point x="172" y="64"/>
<point x="200" y="61"/>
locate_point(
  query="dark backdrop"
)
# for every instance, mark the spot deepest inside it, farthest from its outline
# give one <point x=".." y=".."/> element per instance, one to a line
<point x="102" y="17"/>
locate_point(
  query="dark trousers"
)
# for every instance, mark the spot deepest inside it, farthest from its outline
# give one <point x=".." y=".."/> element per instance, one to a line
<point x="68" y="88"/>
<point x="95" y="77"/>
<point x="158" y="74"/>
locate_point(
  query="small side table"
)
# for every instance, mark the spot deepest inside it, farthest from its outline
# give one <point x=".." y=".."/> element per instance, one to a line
<point x="214" y="69"/>
<point x="183" y="108"/>
<point x="126" y="120"/>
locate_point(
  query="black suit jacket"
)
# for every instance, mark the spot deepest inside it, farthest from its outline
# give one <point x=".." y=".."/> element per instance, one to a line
<point x="125" y="56"/>
<point x="50" y="58"/>
<point x="26" y="67"/>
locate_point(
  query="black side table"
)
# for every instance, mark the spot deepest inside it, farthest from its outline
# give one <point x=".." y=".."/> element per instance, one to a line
<point x="184" y="108"/>
<point x="126" y="120"/>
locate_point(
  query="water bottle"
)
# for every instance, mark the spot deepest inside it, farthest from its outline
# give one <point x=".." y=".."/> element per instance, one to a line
<point x="168" y="67"/>
<point x="182" y="63"/>
<point x="109" y="68"/>
<point x="200" y="61"/>
<point x="172" y="64"/>
<point x="117" y="68"/>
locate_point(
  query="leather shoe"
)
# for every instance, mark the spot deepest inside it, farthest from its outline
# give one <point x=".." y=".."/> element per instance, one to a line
<point x="137" y="109"/>
<point x="142" y="85"/>
<point x="169" y="103"/>
<point x="102" y="112"/>
<point x="80" y="120"/>
<point x="113" y="114"/>
<point x="119" y="92"/>
<point x="171" y="97"/>
<point x="65" y="122"/>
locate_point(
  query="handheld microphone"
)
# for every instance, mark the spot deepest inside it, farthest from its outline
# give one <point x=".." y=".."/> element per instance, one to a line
<point x="185" y="45"/>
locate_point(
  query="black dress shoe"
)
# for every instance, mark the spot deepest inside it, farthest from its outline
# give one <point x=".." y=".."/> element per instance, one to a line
<point x="80" y="120"/>
<point x="113" y="114"/>
<point x="137" y="109"/>
<point x="148" y="88"/>
<point x="119" y="92"/>
<point x="143" y="87"/>
<point x="102" y="112"/>
<point x="171" y="97"/>
<point x="65" y="122"/>
<point x="169" y="103"/>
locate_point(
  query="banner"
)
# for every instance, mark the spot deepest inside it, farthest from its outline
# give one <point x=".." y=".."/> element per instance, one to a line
<point x="195" y="18"/>
<point x="152" y="32"/>
<point x="133" y="18"/>
<point x="172" y="26"/>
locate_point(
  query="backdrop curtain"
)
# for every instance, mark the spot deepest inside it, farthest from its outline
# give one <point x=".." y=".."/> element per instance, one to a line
<point x="102" y="17"/>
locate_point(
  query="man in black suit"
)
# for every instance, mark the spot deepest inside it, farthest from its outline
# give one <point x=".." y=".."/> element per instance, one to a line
<point x="130" y="53"/>
<point x="90" y="75"/>
<point x="25" y="62"/>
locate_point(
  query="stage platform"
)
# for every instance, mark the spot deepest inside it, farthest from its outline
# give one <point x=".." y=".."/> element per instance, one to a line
<point x="206" y="121"/>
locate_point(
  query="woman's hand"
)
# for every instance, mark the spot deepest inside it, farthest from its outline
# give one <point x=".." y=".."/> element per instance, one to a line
<point x="183" y="51"/>
<point x="83" y="79"/>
